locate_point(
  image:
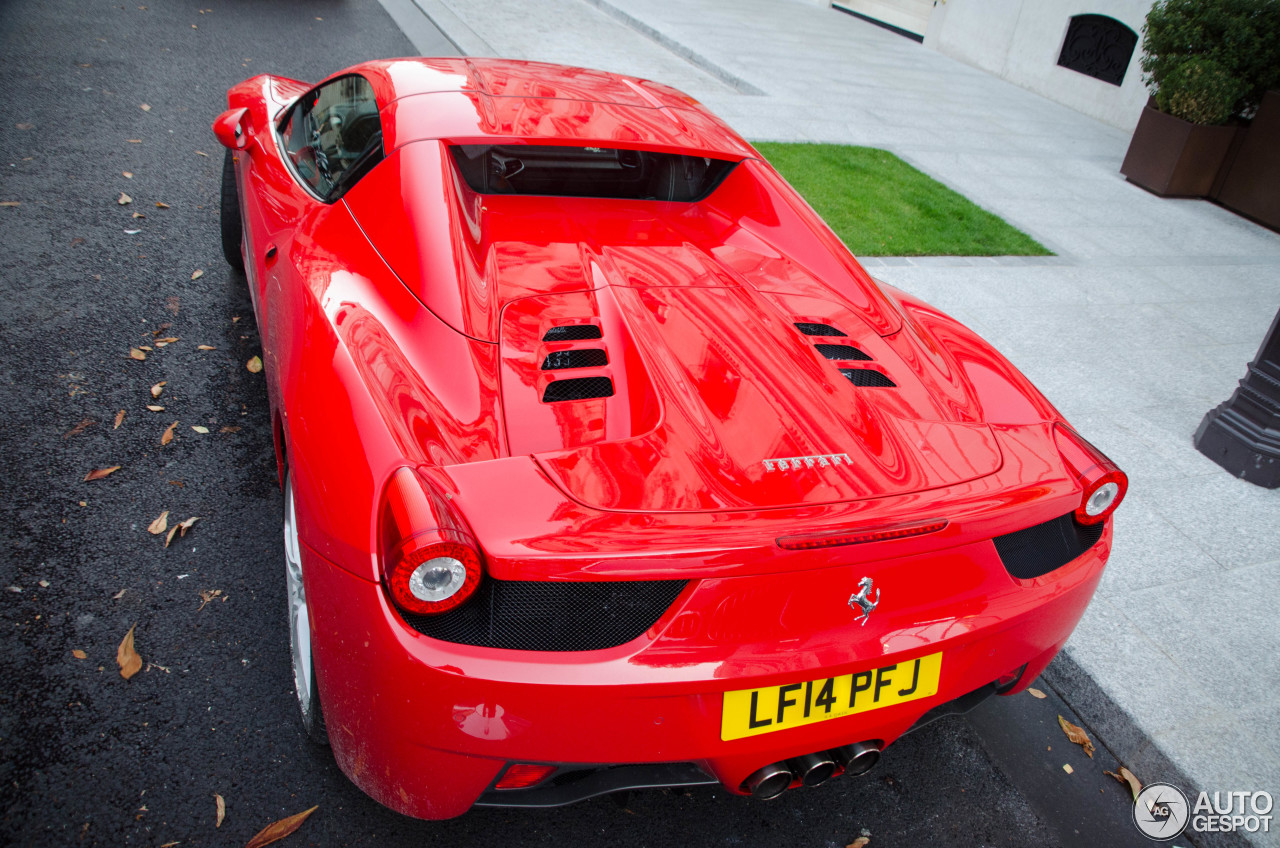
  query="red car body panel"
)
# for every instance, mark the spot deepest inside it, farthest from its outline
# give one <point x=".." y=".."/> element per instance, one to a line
<point x="404" y="324"/>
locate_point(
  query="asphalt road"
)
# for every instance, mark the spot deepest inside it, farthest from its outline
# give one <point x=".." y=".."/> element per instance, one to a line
<point x="88" y="758"/>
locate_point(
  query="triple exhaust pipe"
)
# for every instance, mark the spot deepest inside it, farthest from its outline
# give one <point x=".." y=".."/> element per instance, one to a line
<point x="812" y="769"/>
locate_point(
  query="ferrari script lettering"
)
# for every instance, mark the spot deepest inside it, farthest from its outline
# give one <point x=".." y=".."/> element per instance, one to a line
<point x="795" y="463"/>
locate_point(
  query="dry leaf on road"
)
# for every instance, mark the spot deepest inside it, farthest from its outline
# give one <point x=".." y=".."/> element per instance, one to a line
<point x="155" y="408"/>
<point x="186" y="525"/>
<point x="10" y="202"/>
<point x="128" y="175"/>
<point x="860" y="842"/>
<point x="1067" y="768"/>
<point x="79" y="654"/>
<point x="118" y="595"/>
<point x="99" y="473"/>
<point x="158" y="388"/>
<point x="119" y="420"/>
<point x="1035" y="693"/>
<point x="280" y="829"/>
<point x="146" y="107"/>
<point x="124" y="199"/>
<point x="222" y="809"/>
<point x="205" y="347"/>
<point x="134" y="353"/>
<point x="160" y="525"/>
<point x="1077" y="735"/>
<point x="84" y="424"/>
<point x="229" y="429"/>
<point x="160" y="205"/>
<point x="1128" y="778"/>
<point x="197" y="273"/>
<point x="208" y="595"/>
<point x="173" y="531"/>
<point x="254" y="365"/>
<point x="127" y="657"/>
<point x="199" y="428"/>
<point x="167" y="436"/>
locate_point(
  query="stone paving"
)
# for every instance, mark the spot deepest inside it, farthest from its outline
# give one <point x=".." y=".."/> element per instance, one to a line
<point x="1144" y="320"/>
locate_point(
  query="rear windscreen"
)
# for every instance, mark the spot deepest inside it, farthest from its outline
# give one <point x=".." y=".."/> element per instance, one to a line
<point x="588" y="172"/>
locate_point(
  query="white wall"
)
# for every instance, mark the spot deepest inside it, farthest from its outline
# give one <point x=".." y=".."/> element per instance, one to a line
<point x="1020" y="40"/>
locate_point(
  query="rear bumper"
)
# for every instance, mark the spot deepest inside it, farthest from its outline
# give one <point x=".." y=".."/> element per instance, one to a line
<point x="425" y="727"/>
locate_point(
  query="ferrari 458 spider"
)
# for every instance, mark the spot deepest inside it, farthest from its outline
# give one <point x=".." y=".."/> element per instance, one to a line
<point x="606" y="465"/>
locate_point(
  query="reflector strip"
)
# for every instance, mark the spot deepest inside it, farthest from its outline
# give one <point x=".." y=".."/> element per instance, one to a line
<point x="880" y="534"/>
<point x="524" y="775"/>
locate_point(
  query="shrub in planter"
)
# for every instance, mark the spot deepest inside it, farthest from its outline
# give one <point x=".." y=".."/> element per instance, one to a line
<point x="1240" y="37"/>
<point x="1199" y="90"/>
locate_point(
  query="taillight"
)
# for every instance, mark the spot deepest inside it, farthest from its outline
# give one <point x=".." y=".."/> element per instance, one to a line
<point x="1104" y="484"/>
<point x="430" y="563"/>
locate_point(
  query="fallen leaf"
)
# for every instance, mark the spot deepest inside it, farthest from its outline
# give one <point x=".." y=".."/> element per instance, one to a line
<point x="201" y="153"/>
<point x="170" y="844"/>
<point x="15" y="588"/>
<point x="160" y="205"/>
<point x="128" y="175"/>
<point x="79" y="428"/>
<point x="1067" y="768"/>
<point x="254" y="365"/>
<point x="118" y="595"/>
<point x="44" y="584"/>
<point x="138" y="215"/>
<point x="229" y="429"/>
<point x="144" y="347"/>
<point x="1077" y="735"/>
<point x="173" y="531"/>
<point x="222" y="809"/>
<point x="144" y="107"/>
<point x="197" y="273"/>
<point x="10" y="202"/>
<point x="167" y="436"/>
<point x="186" y="525"/>
<point x="128" y="659"/>
<point x="235" y="318"/>
<point x="160" y="525"/>
<point x="280" y="829"/>
<point x="134" y="140"/>
<point x="124" y="199"/>
<point x="158" y="388"/>
<point x="1128" y="778"/>
<point x="208" y="595"/>
<point x="860" y="842"/>
<point x="99" y="473"/>
<point x="199" y="428"/>
<point x="166" y="341"/>
<point x="79" y="654"/>
<point x="134" y="353"/>
<point x="155" y="408"/>
<point x="25" y="126"/>
<point x="1035" y="693"/>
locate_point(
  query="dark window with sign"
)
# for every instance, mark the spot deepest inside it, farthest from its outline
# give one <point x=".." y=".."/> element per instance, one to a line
<point x="332" y="136"/>
<point x="1098" y="46"/>
<point x="588" y="172"/>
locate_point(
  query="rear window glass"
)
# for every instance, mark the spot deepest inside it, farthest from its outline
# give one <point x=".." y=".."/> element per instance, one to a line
<point x="588" y="172"/>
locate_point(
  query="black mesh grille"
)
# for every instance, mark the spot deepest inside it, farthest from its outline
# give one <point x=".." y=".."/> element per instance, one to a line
<point x="575" y="333"/>
<point x="589" y="358"/>
<point x="1040" y="549"/>
<point x="867" y="377"/>
<point x="534" y="616"/>
<point x="817" y="329"/>
<point x="579" y="388"/>
<point x="832" y="351"/>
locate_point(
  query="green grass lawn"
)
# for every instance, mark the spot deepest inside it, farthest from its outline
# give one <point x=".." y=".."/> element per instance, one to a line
<point x="881" y="206"/>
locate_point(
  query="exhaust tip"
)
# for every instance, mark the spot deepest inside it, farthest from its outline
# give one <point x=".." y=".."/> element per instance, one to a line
<point x="813" y="769"/>
<point x="769" y="782"/>
<point x="858" y="758"/>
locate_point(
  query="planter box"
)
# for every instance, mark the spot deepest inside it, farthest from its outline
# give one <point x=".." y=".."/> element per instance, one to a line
<point x="1175" y="158"/>
<point x="1252" y="177"/>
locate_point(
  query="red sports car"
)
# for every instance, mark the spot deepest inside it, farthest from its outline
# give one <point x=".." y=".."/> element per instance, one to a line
<point x="606" y="465"/>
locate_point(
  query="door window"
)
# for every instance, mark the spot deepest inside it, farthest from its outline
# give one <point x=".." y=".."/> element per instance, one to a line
<point x="333" y="136"/>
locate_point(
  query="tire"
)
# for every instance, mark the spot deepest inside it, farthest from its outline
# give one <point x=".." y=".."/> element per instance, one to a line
<point x="232" y="226"/>
<point x="303" y="660"/>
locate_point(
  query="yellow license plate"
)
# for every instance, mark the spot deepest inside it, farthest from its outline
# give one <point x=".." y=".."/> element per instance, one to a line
<point x="750" y="712"/>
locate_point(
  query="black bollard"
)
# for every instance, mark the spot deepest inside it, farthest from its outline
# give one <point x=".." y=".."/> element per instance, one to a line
<point x="1243" y="434"/>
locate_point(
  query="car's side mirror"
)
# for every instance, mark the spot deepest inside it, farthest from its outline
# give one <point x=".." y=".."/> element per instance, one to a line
<point x="231" y="129"/>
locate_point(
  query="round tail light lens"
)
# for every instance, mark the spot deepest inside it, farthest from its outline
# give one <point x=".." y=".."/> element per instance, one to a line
<point x="1104" y="484"/>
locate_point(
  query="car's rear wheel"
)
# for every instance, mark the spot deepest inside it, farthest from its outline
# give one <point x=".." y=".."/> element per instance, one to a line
<point x="304" y="671"/>
<point x="232" y="227"/>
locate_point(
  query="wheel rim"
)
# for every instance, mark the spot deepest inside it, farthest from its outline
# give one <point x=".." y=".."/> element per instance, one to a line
<point x="299" y="621"/>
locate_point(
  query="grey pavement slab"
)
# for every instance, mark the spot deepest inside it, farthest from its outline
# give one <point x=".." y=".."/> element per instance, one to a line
<point x="1144" y="320"/>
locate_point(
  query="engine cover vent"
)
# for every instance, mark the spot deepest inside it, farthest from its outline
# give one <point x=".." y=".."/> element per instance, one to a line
<point x="578" y="388"/>
<point x="588" y="358"/>
<point x="843" y="352"/>
<point x="817" y="329"/>
<point x="572" y="333"/>
<point x="868" y="378"/>
<point x="1045" y="547"/>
